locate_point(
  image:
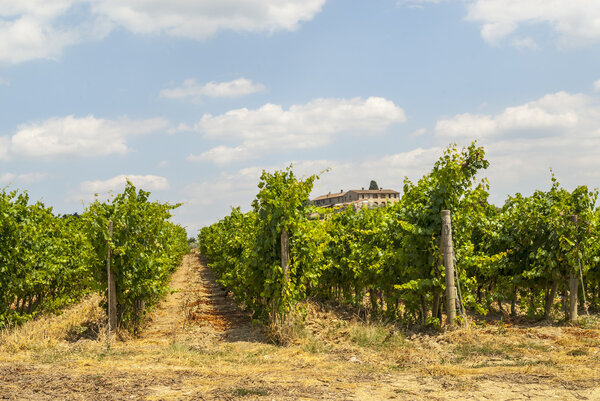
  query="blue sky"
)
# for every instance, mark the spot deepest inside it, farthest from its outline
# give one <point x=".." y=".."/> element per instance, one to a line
<point x="192" y="99"/>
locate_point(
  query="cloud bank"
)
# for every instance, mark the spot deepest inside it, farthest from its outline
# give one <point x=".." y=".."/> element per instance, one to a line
<point x="72" y="136"/>
<point x="34" y="29"/>
<point x="559" y="131"/>
<point x="575" y="22"/>
<point x="117" y="183"/>
<point x="305" y="126"/>
<point x="102" y="189"/>
<point x="194" y="91"/>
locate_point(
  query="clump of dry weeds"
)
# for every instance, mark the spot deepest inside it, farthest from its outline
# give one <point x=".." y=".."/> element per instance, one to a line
<point x="570" y="352"/>
<point x="85" y="319"/>
<point x="327" y="330"/>
<point x="288" y="329"/>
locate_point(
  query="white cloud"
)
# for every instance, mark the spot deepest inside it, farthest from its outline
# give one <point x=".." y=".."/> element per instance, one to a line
<point x="419" y="132"/>
<point x="30" y="178"/>
<point x="27" y="178"/>
<point x="231" y="187"/>
<point x="103" y="188"/>
<point x="86" y="136"/>
<point x="525" y="44"/>
<point x="181" y="127"/>
<point x="551" y="114"/>
<point x="5" y="178"/>
<point x="4" y="82"/>
<point x="26" y="30"/>
<point x="305" y="126"/>
<point x="597" y="86"/>
<point x="559" y="131"/>
<point x="33" y="29"/>
<point x="402" y="2"/>
<point x="577" y="22"/>
<point x="199" y="19"/>
<point x="465" y="125"/>
<point x="200" y="208"/>
<point x="411" y="163"/>
<point x="416" y="3"/>
<point x="146" y="182"/>
<point x="222" y="155"/>
<point x="192" y="90"/>
<point x="237" y="188"/>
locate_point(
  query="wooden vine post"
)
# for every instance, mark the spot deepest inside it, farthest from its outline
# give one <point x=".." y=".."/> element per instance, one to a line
<point x="448" y="253"/>
<point x="112" y="293"/>
<point x="573" y="284"/>
<point x="285" y="259"/>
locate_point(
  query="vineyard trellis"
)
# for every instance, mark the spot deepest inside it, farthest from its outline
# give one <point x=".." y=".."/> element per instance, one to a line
<point x="49" y="261"/>
<point x="524" y="252"/>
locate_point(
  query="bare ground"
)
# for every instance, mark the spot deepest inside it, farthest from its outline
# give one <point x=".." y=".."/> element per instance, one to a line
<point x="198" y="345"/>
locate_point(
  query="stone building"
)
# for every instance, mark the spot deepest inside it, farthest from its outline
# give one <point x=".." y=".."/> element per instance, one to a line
<point x="358" y="198"/>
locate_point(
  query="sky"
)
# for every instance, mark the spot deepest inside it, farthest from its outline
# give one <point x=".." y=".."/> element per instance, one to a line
<point x="192" y="99"/>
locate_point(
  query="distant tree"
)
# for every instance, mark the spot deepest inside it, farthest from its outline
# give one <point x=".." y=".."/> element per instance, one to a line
<point x="373" y="185"/>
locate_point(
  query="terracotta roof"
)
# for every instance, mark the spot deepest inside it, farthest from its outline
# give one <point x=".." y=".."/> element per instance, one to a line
<point x="358" y="191"/>
<point x="330" y="195"/>
<point x="374" y="191"/>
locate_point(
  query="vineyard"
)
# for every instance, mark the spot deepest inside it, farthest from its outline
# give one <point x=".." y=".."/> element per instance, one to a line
<point x="361" y="294"/>
<point x="535" y="256"/>
<point x="49" y="261"/>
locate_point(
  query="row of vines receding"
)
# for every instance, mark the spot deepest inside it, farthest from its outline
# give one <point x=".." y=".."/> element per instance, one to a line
<point x="49" y="261"/>
<point x="529" y="257"/>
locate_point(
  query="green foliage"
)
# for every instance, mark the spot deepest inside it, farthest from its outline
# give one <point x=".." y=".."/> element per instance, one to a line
<point x="43" y="258"/>
<point x="543" y="244"/>
<point x="522" y="253"/>
<point x="451" y="185"/>
<point x="146" y="248"/>
<point x="245" y="249"/>
<point x="47" y="262"/>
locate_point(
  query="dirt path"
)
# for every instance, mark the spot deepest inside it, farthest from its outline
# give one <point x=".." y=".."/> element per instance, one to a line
<point x="198" y="307"/>
<point x="169" y="317"/>
<point x="198" y="345"/>
<point x="209" y="304"/>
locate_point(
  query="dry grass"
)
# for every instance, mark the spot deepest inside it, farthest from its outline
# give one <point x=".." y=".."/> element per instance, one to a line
<point x="206" y="350"/>
<point x="356" y="358"/>
<point x="83" y="320"/>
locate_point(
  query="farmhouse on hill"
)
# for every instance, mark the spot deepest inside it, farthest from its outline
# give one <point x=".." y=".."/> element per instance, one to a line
<point x="358" y="198"/>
